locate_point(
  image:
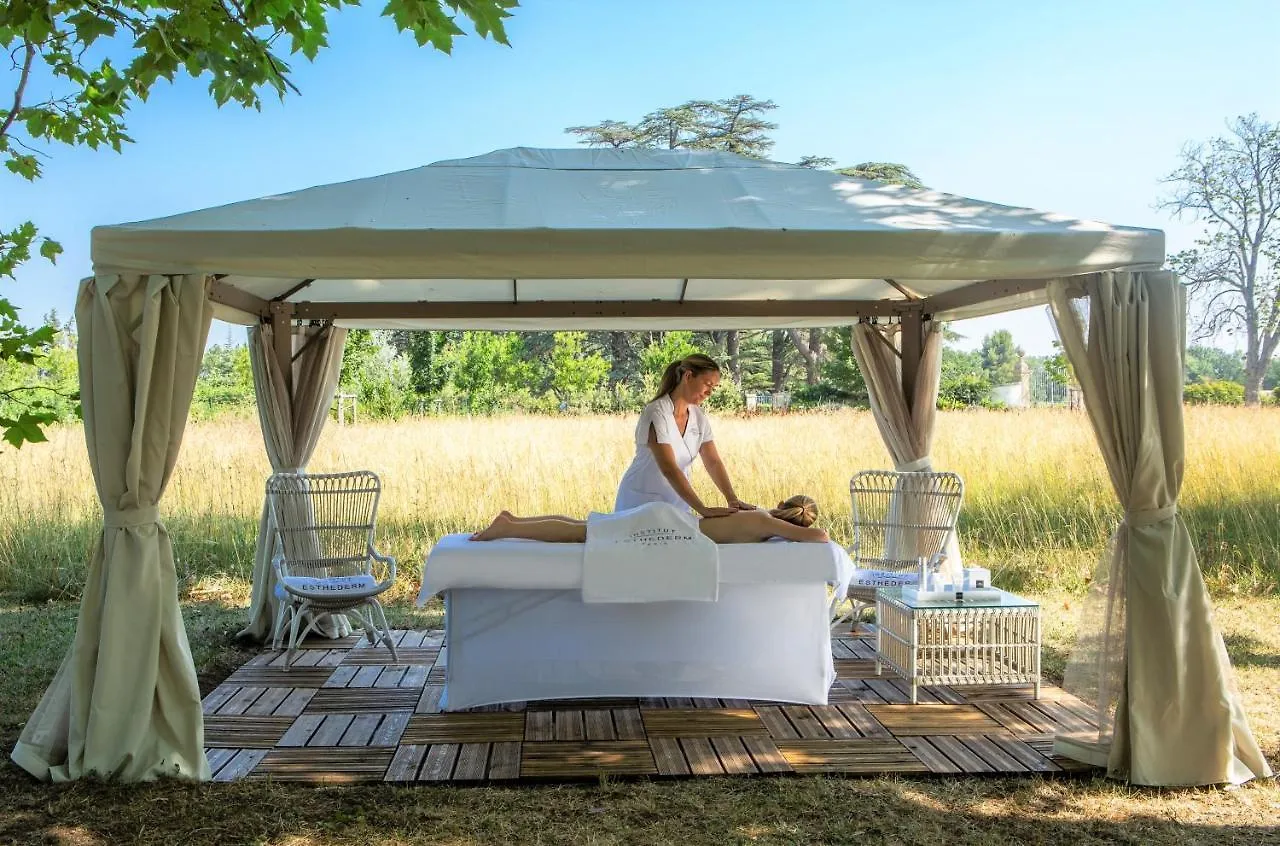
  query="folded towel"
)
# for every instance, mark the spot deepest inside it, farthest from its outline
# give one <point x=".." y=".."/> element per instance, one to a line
<point x="651" y="553"/>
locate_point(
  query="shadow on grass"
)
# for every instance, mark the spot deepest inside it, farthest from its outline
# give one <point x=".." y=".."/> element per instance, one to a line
<point x="1248" y="651"/>
<point x="709" y="810"/>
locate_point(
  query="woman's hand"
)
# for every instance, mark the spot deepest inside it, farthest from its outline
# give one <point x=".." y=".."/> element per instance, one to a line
<point x="716" y="511"/>
<point x="739" y="505"/>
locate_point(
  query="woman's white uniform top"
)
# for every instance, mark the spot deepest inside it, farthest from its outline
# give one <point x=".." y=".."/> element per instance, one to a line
<point x="643" y="482"/>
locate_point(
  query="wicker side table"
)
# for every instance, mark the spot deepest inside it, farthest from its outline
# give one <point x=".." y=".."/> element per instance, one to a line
<point x="994" y="641"/>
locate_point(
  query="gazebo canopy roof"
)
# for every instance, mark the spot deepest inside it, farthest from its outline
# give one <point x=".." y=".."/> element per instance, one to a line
<point x="585" y="238"/>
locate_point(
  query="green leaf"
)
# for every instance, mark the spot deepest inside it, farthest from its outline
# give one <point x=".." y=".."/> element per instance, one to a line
<point x="50" y="249"/>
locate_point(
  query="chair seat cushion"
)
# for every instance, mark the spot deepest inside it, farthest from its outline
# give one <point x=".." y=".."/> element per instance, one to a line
<point x="335" y="586"/>
<point x="882" y="578"/>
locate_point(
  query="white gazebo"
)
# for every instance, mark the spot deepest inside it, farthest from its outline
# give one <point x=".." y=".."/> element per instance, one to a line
<point x="625" y="239"/>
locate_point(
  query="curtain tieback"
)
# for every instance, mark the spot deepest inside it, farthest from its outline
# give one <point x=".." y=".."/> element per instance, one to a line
<point x="125" y="518"/>
<point x="917" y="466"/>
<point x="1149" y="516"/>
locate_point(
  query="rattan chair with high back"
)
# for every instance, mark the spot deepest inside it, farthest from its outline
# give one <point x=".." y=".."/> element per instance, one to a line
<point x="325" y="559"/>
<point x="898" y="518"/>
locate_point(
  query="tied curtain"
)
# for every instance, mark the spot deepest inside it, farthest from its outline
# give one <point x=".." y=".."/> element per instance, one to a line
<point x="1149" y="660"/>
<point x="906" y="427"/>
<point x="125" y="703"/>
<point x="291" y="420"/>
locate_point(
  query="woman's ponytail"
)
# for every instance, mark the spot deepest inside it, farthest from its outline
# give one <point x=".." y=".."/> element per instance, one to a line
<point x="674" y="372"/>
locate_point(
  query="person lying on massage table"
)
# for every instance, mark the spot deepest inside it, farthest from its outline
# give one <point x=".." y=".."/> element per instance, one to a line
<point x="792" y="520"/>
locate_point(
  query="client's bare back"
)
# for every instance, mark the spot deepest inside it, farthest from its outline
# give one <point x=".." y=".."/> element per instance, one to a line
<point x="739" y="527"/>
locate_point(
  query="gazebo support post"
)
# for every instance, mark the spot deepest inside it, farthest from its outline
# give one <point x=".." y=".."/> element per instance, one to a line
<point x="912" y="349"/>
<point x="282" y="335"/>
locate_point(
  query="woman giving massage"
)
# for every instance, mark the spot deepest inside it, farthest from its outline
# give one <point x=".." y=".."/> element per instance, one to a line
<point x="792" y="520"/>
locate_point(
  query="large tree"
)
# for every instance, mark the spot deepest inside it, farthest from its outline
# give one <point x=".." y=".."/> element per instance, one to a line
<point x="1231" y="185"/>
<point x="79" y="66"/>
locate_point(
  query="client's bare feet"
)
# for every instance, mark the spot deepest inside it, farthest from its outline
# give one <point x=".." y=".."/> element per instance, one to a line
<point x="496" y="530"/>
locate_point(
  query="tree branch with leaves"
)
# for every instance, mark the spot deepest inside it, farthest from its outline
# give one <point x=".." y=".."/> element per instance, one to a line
<point x="238" y="45"/>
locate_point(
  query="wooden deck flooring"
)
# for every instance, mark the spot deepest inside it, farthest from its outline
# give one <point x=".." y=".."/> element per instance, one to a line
<point x="344" y="714"/>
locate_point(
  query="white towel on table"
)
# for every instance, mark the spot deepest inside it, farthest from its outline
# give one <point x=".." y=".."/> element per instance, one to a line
<point x="651" y="553"/>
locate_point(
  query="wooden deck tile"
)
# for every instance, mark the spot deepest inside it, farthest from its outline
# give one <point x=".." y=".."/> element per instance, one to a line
<point x="1025" y="755"/>
<point x="764" y="752"/>
<point x="776" y="723"/>
<point x="568" y="725"/>
<point x="599" y="724"/>
<point x="330" y="730"/>
<point x="429" y="702"/>
<point x="628" y="724"/>
<point x="325" y="765"/>
<point x="361" y="730"/>
<point x="961" y="755"/>
<point x="341" y="676"/>
<point x="382" y="656"/>
<point x="1000" y="760"/>
<point x="1070" y="765"/>
<point x="241" y="765"/>
<point x="504" y="761"/>
<point x="366" y="675"/>
<point x="218" y="697"/>
<point x="438" y="765"/>
<point x="807" y="725"/>
<point x="295" y="703"/>
<point x="850" y="756"/>
<point x="539" y="725"/>
<point x="863" y="720"/>
<point x="586" y="759"/>
<point x="1032" y="715"/>
<point x="701" y="756"/>
<point x="301" y="730"/>
<point x="405" y="763"/>
<point x="391" y="729"/>
<point x="889" y="692"/>
<point x="244" y="732"/>
<point x="217" y="758"/>
<point x="415" y="677"/>
<point x="279" y="677"/>
<point x="464" y="728"/>
<point x="933" y="719"/>
<point x="473" y="760"/>
<point x="271" y="699"/>
<point x="702" y="722"/>
<point x="856" y="668"/>
<point x="733" y="755"/>
<point x="1007" y="719"/>
<point x="583" y="704"/>
<point x="354" y="700"/>
<point x="930" y="755"/>
<point x="243" y="698"/>
<point x="667" y="756"/>
<point x="836" y="724"/>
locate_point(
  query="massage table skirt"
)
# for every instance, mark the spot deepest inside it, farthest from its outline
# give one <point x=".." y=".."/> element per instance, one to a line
<point x="757" y="641"/>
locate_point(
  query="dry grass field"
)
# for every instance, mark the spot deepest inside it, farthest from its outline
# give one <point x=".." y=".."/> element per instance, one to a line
<point x="1038" y="504"/>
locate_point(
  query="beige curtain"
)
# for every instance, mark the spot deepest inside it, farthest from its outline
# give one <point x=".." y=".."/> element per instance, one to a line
<point x="291" y="426"/>
<point x="1149" y="658"/>
<point x="907" y="431"/>
<point x="125" y="703"/>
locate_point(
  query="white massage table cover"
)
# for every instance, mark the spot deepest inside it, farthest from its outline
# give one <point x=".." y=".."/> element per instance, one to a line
<point x="456" y="562"/>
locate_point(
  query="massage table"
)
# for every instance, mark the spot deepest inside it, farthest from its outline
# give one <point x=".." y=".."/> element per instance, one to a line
<point x="516" y="628"/>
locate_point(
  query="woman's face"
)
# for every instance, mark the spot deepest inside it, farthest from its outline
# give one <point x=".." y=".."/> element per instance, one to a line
<point x="698" y="386"/>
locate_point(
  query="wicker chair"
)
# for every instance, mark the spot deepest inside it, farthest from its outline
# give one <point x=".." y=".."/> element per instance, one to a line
<point x="324" y="560"/>
<point x="898" y="518"/>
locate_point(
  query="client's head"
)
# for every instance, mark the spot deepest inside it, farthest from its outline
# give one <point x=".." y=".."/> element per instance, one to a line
<point x="799" y="509"/>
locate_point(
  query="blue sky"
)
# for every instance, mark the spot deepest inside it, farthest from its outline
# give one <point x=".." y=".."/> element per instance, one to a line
<point x="1079" y="108"/>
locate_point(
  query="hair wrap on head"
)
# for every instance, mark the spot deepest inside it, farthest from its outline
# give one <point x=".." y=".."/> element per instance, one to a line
<point x="799" y="509"/>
